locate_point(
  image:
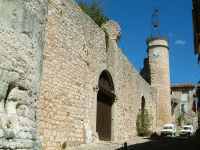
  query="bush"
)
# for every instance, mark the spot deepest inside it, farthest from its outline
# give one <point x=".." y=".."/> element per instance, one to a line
<point x="94" y="11"/>
<point x="143" y="122"/>
<point x="64" y="145"/>
<point x="96" y="14"/>
<point x="106" y="38"/>
<point x="180" y="119"/>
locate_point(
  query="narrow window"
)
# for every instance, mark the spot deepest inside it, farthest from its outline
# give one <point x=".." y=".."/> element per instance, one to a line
<point x="185" y="96"/>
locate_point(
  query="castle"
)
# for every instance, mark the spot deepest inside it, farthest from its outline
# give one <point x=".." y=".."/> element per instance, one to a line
<point x="59" y="83"/>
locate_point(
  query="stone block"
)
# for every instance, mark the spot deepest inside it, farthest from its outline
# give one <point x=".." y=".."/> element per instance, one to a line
<point x="13" y="144"/>
<point x="28" y="85"/>
<point x="14" y="94"/>
<point x="87" y="126"/>
<point x="95" y="137"/>
<point x="21" y="135"/>
<point x="11" y="107"/>
<point x="4" y="143"/>
<point x="50" y="148"/>
<point x="16" y="143"/>
<point x="27" y="143"/>
<point x="7" y="65"/>
<point x="14" y="123"/>
<point x="35" y="137"/>
<point x="1" y="133"/>
<point x="13" y="78"/>
<point x="29" y="113"/>
<point x="4" y="120"/>
<point x="5" y="77"/>
<point x="23" y="97"/>
<point x="9" y="134"/>
<point x="113" y="29"/>
<point x="21" y="72"/>
<point x="3" y="89"/>
<point x="25" y="121"/>
<point x="29" y="135"/>
<point x="37" y="145"/>
<point x="22" y="83"/>
<point x="89" y="134"/>
<point x="32" y="130"/>
<point x="1" y="74"/>
<point x="20" y="108"/>
<point x="2" y="110"/>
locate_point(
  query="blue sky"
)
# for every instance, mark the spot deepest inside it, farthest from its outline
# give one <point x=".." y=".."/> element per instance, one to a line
<point x="175" y="19"/>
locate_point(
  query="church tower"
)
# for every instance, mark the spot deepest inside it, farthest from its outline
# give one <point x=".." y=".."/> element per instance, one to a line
<point x="158" y="53"/>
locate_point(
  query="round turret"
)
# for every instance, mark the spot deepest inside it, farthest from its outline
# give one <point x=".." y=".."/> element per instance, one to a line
<point x="158" y="52"/>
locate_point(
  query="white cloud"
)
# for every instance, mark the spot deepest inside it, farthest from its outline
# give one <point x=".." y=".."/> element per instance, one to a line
<point x="170" y="34"/>
<point x="180" y="42"/>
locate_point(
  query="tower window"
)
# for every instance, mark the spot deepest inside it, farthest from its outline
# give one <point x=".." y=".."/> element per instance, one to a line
<point x="185" y="96"/>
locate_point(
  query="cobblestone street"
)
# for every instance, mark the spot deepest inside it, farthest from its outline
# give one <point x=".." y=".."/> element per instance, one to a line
<point x="109" y="145"/>
<point x="143" y="143"/>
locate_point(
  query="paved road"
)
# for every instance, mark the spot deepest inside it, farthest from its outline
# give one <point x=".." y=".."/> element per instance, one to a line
<point x="108" y="145"/>
<point x="144" y="143"/>
<point x="168" y="143"/>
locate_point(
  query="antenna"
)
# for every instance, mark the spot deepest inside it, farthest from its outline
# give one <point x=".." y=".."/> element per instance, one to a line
<point x="155" y="28"/>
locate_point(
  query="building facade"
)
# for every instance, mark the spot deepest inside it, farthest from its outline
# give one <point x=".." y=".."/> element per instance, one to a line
<point x="184" y="102"/>
<point x="59" y="83"/>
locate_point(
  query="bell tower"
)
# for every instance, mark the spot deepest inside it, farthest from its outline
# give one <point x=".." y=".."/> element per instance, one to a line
<point x="158" y="53"/>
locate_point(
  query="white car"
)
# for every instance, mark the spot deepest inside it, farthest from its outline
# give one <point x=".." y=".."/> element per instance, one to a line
<point x="187" y="130"/>
<point x="168" y="129"/>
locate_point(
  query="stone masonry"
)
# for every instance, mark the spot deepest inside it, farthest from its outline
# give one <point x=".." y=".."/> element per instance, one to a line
<point x="158" y="52"/>
<point x="51" y="58"/>
<point x="22" y="28"/>
<point x="74" y="52"/>
<point x="184" y="107"/>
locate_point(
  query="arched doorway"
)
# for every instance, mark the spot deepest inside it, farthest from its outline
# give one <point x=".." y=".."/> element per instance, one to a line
<point x="105" y="100"/>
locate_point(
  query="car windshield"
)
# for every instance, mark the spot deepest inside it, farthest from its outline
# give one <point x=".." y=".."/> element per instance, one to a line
<point x="186" y="128"/>
<point x="167" y="127"/>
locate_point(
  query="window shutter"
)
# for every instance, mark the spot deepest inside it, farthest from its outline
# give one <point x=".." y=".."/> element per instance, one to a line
<point x="185" y="96"/>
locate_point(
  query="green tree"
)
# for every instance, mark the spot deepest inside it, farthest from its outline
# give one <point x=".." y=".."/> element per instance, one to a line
<point x="143" y="122"/>
<point x="94" y="11"/>
<point x="180" y="119"/>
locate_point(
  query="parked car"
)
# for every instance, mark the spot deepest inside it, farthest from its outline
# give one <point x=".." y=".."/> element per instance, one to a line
<point x="187" y="130"/>
<point x="168" y="129"/>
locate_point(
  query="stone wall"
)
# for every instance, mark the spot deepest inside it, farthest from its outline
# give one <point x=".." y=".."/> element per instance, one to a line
<point x="59" y="62"/>
<point x="190" y="115"/>
<point x="74" y="57"/>
<point x="22" y="28"/>
<point x="158" y="52"/>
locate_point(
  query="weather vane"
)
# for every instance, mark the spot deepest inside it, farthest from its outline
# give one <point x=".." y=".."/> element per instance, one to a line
<point x="155" y="28"/>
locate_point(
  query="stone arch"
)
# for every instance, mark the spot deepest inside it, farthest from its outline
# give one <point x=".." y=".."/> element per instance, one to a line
<point x="105" y="81"/>
<point x="106" y="67"/>
<point x="104" y="86"/>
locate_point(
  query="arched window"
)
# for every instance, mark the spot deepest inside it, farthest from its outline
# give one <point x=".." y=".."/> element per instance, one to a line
<point x="142" y="103"/>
